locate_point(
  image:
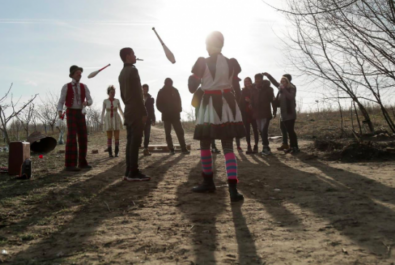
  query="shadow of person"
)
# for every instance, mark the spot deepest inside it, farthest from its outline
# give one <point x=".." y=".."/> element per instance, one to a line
<point x="247" y="252"/>
<point x="360" y="207"/>
<point x="208" y="226"/>
<point x="201" y="210"/>
<point x="330" y="194"/>
<point x="112" y="199"/>
<point x="11" y="187"/>
<point x="260" y="177"/>
<point x="358" y="183"/>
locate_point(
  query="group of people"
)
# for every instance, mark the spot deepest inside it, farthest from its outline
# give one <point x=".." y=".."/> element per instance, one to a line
<point x="223" y="112"/>
<point x="259" y="105"/>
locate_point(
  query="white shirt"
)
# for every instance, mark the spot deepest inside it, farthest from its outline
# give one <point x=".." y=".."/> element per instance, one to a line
<point x="77" y="104"/>
<point x="222" y="79"/>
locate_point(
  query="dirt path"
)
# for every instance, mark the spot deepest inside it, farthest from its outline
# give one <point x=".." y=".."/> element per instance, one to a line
<point x="297" y="210"/>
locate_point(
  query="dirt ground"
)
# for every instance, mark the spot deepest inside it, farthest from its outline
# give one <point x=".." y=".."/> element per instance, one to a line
<point x="297" y="210"/>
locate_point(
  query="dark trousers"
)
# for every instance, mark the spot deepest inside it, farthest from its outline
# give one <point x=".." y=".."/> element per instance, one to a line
<point x="237" y="142"/>
<point x="76" y="125"/>
<point x="284" y="133"/>
<point x="248" y="131"/>
<point x="290" y="127"/>
<point x="179" y="132"/>
<point x="263" y="127"/>
<point x="134" y="135"/>
<point x="147" y="133"/>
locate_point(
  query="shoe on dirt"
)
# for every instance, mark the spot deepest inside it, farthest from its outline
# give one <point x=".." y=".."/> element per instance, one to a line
<point x="72" y="169"/>
<point x="295" y="151"/>
<point x="206" y="186"/>
<point x="235" y="196"/>
<point x="266" y="151"/>
<point x="249" y="151"/>
<point x="138" y="176"/>
<point x="283" y="147"/>
<point x="146" y="152"/>
<point x="289" y="150"/>
<point x="172" y="151"/>
<point x="86" y="167"/>
<point x="185" y="152"/>
<point x="255" y="149"/>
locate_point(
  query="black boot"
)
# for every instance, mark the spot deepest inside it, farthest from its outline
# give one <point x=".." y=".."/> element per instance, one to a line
<point x="110" y="151"/>
<point x="235" y="196"/>
<point x="116" y="150"/>
<point x="207" y="185"/>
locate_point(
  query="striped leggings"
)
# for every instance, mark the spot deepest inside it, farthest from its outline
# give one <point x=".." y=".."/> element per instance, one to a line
<point x="230" y="159"/>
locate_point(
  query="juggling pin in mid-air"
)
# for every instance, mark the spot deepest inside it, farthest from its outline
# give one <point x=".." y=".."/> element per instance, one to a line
<point x="93" y="74"/>
<point x="168" y="53"/>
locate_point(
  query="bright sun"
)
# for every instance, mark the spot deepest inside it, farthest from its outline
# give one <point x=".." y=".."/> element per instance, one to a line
<point x="190" y="22"/>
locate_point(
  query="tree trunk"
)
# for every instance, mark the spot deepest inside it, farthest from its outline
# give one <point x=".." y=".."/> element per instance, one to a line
<point x="6" y="137"/>
<point x="387" y="118"/>
<point x="359" y="124"/>
<point x="341" y="120"/>
<point x="366" y="116"/>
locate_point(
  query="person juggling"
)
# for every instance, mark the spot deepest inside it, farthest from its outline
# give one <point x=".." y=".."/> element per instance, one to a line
<point x="219" y="116"/>
<point x="75" y="96"/>
<point x="112" y="122"/>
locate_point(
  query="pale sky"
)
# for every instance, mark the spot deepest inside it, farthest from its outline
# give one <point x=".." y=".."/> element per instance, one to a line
<point x="41" y="39"/>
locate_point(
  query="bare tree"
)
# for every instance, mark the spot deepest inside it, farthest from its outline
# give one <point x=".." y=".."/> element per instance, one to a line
<point x="15" y="129"/>
<point x="349" y="45"/>
<point x="26" y="117"/>
<point x="47" y="112"/>
<point x="93" y="119"/>
<point x="34" y="121"/>
<point x="6" y="116"/>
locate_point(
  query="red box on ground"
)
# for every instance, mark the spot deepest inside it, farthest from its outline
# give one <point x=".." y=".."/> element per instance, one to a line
<point x="19" y="152"/>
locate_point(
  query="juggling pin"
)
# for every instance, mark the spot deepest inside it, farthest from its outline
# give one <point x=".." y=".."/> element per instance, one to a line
<point x="93" y="74"/>
<point x="168" y="53"/>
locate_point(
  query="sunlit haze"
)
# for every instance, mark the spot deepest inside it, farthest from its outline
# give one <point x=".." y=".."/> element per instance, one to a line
<point x="42" y="39"/>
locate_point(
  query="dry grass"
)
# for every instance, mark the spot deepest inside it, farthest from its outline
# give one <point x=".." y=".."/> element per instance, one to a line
<point x="325" y="124"/>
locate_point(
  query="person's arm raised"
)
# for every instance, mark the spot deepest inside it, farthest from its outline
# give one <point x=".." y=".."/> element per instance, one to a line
<point x="271" y="79"/>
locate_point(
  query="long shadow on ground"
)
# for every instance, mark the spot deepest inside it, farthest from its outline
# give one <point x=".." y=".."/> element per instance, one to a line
<point x="203" y="210"/>
<point x="348" y="201"/>
<point x="109" y="198"/>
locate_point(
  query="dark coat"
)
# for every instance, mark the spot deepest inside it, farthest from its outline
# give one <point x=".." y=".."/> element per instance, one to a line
<point x="291" y="103"/>
<point x="168" y="102"/>
<point x="262" y="101"/>
<point x="245" y="109"/>
<point x="149" y="106"/>
<point x="131" y="93"/>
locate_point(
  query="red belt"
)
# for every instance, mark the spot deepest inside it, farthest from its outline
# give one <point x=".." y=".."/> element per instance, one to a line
<point x="217" y="92"/>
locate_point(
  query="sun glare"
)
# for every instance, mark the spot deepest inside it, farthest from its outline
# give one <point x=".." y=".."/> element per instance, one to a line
<point x="187" y="23"/>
